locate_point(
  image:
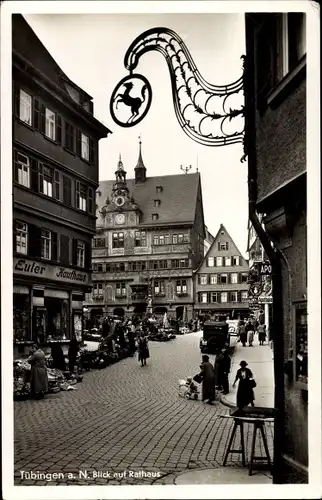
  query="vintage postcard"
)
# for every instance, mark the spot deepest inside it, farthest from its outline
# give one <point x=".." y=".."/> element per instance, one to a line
<point x="160" y="250"/>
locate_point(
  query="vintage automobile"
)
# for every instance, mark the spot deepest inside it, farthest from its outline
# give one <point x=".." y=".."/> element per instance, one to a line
<point x="215" y="336"/>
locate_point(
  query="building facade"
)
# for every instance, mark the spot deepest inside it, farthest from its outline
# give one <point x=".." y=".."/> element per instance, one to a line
<point x="55" y="176"/>
<point x="259" y="266"/>
<point x="221" y="281"/>
<point x="275" y="98"/>
<point x="149" y="238"/>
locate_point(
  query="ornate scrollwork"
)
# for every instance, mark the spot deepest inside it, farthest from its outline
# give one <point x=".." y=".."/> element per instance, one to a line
<point x="204" y="111"/>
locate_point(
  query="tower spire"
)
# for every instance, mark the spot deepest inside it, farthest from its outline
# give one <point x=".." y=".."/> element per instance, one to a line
<point x="140" y="169"/>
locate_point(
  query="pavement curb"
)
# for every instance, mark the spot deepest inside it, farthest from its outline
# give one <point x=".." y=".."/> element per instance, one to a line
<point x="226" y="402"/>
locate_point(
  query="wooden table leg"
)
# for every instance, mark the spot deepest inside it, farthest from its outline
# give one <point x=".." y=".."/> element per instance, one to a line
<point x="266" y="446"/>
<point x="242" y="443"/>
<point x="252" y="450"/>
<point x="230" y="443"/>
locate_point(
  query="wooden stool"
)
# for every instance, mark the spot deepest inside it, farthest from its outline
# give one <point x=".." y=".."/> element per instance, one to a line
<point x="237" y="423"/>
<point x="259" y="424"/>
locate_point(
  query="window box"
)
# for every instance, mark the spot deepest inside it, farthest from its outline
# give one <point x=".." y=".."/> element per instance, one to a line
<point x="182" y="294"/>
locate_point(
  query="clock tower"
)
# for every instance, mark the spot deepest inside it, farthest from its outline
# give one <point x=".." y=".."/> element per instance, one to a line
<point x="120" y="192"/>
<point x="120" y="209"/>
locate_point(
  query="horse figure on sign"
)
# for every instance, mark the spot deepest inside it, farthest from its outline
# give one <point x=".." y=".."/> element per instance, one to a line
<point x="134" y="102"/>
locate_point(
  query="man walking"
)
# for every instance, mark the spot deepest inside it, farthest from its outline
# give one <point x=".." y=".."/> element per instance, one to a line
<point x="250" y="332"/>
<point x="223" y="370"/>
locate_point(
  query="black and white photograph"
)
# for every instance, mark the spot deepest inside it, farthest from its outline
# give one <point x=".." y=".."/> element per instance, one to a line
<point x="160" y="250"/>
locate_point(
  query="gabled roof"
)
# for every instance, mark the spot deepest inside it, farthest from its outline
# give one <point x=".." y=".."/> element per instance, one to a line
<point x="27" y="47"/>
<point x="178" y="197"/>
<point x="26" y="43"/>
<point x="215" y="242"/>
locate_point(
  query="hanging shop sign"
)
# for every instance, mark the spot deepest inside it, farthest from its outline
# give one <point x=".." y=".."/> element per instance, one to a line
<point x="265" y="268"/>
<point x="27" y="267"/>
<point x="212" y="115"/>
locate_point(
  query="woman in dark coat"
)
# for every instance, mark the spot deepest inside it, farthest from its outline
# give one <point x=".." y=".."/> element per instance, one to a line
<point x="143" y="349"/>
<point x="208" y="380"/>
<point x="72" y="352"/>
<point x="245" y="392"/>
<point x="39" y="374"/>
<point x="58" y="357"/>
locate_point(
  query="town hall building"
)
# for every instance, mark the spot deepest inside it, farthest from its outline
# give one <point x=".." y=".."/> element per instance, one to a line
<point x="150" y="235"/>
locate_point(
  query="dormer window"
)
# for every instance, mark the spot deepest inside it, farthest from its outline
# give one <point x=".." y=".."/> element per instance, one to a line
<point x="157" y="203"/>
<point x="155" y="216"/>
<point x="159" y="189"/>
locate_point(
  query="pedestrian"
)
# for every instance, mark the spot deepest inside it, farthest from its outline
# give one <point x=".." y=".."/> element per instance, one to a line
<point x="72" y="352"/>
<point x="58" y="357"/>
<point x="261" y="330"/>
<point x="143" y="349"/>
<point x="39" y="374"/>
<point x="207" y="376"/>
<point x="250" y="332"/>
<point x="224" y="363"/>
<point x="131" y="339"/>
<point x="242" y="333"/>
<point x="245" y="392"/>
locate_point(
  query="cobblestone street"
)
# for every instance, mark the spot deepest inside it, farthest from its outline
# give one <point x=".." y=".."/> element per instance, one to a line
<point x="125" y="418"/>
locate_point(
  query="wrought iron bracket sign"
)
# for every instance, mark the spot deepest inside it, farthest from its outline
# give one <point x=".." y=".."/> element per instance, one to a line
<point x="207" y="113"/>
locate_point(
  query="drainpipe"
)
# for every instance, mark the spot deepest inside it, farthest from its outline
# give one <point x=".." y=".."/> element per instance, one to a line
<point x="272" y="253"/>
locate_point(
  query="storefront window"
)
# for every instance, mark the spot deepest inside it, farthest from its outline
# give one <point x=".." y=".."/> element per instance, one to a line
<point x="78" y="326"/>
<point x="21" y="315"/>
<point x="301" y="342"/>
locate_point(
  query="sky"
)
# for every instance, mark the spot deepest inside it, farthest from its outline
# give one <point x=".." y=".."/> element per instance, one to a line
<point x="90" y="49"/>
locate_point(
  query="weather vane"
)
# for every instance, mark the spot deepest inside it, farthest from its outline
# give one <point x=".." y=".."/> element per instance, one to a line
<point x="185" y="169"/>
<point x="212" y="115"/>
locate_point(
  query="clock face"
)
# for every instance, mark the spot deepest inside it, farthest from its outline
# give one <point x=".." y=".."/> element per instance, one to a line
<point x="119" y="201"/>
<point x="120" y="218"/>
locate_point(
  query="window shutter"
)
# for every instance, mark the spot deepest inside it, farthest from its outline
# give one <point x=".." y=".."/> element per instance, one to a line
<point x="218" y="245"/>
<point x="91" y="150"/>
<point x="265" y="70"/>
<point x="57" y="185"/>
<point x="54" y="245"/>
<point x="228" y="297"/>
<point x="209" y="279"/>
<point x="43" y="119"/>
<point x="67" y="190"/>
<point x="15" y="165"/>
<point x="90" y="201"/>
<point x="36" y="114"/>
<point x="14" y="229"/>
<point x="34" y="240"/>
<point x="58" y="129"/>
<point x="228" y="278"/>
<point x="16" y="99"/>
<point x="77" y="188"/>
<point x="218" y="297"/>
<point x="239" y="296"/>
<point x="88" y="256"/>
<point x="64" y="249"/>
<point x="34" y="175"/>
<point x="239" y="279"/>
<point x="227" y="245"/>
<point x="198" y="279"/>
<point x="74" y="252"/>
<point x="78" y="142"/>
<point x="41" y="177"/>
